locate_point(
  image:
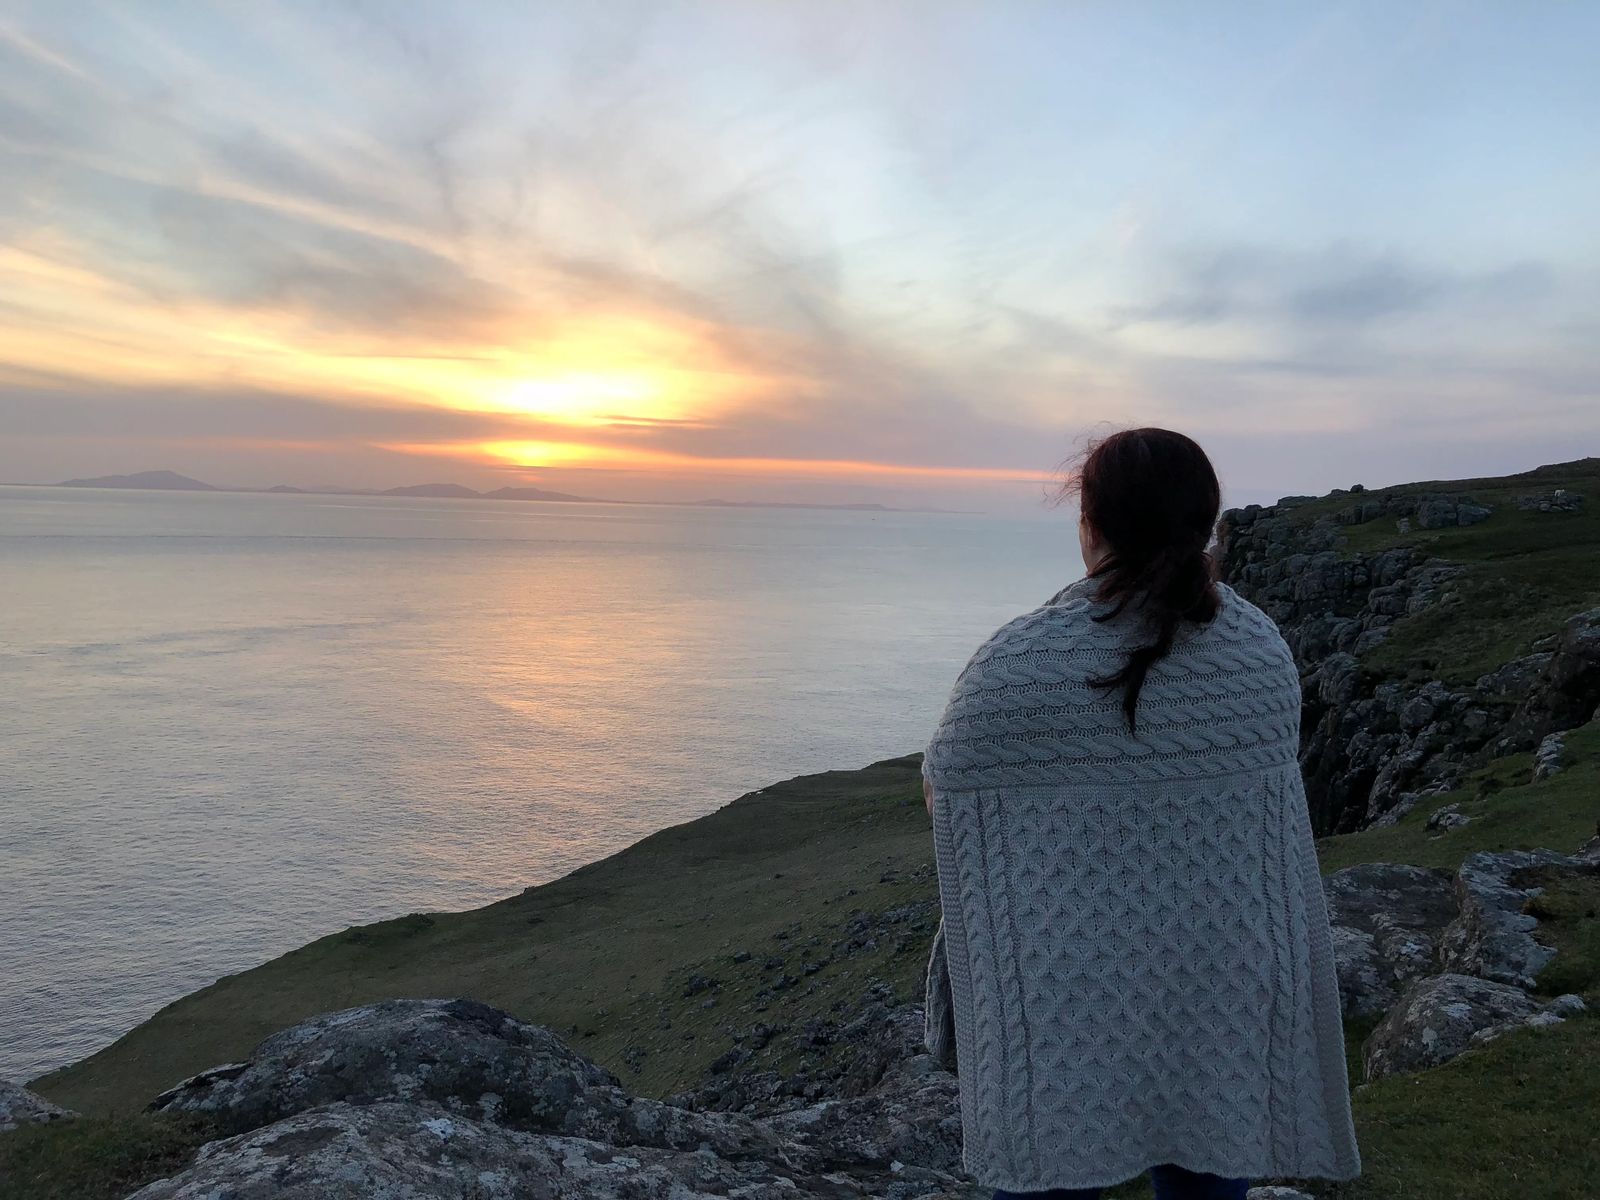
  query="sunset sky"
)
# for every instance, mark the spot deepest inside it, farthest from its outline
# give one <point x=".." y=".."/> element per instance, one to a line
<point x="812" y="251"/>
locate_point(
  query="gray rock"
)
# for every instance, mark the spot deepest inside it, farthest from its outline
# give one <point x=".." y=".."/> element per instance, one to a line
<point x="467" y="1058"/>
<point x="1276" y="1193"/>
<point x="1338" y="679"/>
<point x="915" y="1119"/>
<point x="1577" y="654"/>
<point x="1553" y="1013"/>
<point x="1493" y="937"/>
<point x="1447" y="818"/>
<point x="1386" y="921"/>
<point x="1514" y="680"/>
<point x="1560" y="500"/>
<point x="1435" y="512"/>
<point x="459" y="1053"/>
<point x="401" y="1151"/>
<point x="19" y="1106"/>
<point x="1549" y="758"/>
<point x="453" y="1098"/>
<point x="1435" y="1020"/>
<point x="1568" y="1005"/>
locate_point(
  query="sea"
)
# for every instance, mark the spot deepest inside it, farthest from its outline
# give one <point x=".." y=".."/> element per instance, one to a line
<point x="231" y="723"/>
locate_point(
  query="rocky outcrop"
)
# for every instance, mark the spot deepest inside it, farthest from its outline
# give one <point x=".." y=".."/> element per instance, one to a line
<point x="1386" y="920"/>
<point x="1559" y="500"/>
<point x="19" y="1106"/>
<point x="1371" y="745"/>
<point x="1449" y="962"/>
<point x="1493" y="935"/>
<point x="1438" y="1017"/>
<point x="414" y="1150"/>
<point x="452" y="1098"/>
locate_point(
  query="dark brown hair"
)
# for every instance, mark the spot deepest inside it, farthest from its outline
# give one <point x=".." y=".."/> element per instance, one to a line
<point x="1151" y="497"/>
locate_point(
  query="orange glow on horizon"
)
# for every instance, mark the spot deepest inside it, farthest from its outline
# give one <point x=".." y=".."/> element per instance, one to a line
<point x="596" y="387"/>
<point x="534" y="455"/>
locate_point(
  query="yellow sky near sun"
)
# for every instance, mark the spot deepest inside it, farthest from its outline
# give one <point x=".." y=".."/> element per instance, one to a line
<point x="534" y="454"/>
<point x="566" y="390"/>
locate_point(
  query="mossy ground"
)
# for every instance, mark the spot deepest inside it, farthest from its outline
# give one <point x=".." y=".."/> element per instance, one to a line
<point x="96" y="1158"/>
<point x="1568" y="910"/>
<point x="1512" y="1120"/>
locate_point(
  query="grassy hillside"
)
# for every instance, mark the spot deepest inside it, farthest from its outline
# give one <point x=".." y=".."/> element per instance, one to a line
<point x="606" y="954"/>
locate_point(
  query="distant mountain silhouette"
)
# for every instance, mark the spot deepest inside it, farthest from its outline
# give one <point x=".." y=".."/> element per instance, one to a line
<point x="440" y="491"/>
<point x="796" y="504"/>
<point x="165" y="481"/>
<point x="173" y="482"/>
<point x="531" y="493"/>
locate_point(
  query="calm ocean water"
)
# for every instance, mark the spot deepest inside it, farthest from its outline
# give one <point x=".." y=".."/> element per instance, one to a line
<point x="233" y="723"/>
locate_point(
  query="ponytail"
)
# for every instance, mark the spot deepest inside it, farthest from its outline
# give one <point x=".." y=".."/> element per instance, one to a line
<point x="1152" y="497"/>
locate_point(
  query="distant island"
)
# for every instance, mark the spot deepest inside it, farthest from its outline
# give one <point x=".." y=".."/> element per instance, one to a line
<point x="165" y="481"/>
<point x="171" y="481"/>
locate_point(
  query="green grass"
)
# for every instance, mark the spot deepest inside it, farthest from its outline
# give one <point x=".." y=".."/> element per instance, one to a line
<point x="603" y="955"/>
<point x="1526" y="572"/>
<point x="1507" y="811"/>
<point x="1569" y="920"/>
<point x="95" y="1158"/>
<point x="1511" y="1120"/>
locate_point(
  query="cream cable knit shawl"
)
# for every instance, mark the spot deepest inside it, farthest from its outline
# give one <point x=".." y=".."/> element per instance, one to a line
<point x="1134" y="963"/>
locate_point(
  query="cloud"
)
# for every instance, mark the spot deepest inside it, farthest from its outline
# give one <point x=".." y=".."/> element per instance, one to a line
<point x="350" y="229"/>
<point x="1340" y="286"/>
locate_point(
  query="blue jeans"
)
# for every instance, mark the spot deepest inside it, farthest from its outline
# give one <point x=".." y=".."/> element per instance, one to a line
<point x="1171" y="1183"/>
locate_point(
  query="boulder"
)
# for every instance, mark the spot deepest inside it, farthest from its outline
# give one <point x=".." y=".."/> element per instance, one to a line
<point x="1435" y="512"/>
<point x="1386" y="921"/>
<point x="19" y="1106"/>
<point x="425" y="1098"/>
<point x="1550" y="757"/>
<point x="465" y="1057"/>
<point x="1493" y="935"/>
<point x="457" y="1053"/>
<point x="1435" y="1020"/>
<point x="413" y="1151"/>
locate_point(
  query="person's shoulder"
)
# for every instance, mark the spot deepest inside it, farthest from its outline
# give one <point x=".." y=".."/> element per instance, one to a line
<point x="1240" y="621"/>
<point x="1063" y="621"/>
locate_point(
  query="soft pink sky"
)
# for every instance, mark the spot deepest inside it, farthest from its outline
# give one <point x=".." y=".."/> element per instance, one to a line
<point x="907" y="253"/>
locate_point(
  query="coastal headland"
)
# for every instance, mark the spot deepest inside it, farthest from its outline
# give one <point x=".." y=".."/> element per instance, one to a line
<point x="763" y="964"/>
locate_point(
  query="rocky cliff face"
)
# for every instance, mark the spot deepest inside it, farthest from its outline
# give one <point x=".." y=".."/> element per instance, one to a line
<point x="1374" y="740"/>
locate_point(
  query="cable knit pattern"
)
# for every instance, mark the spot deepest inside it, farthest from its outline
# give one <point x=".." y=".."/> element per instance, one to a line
<point x="1139" y="963"/>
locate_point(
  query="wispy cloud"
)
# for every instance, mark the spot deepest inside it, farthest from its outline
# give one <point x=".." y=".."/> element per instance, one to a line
<point x="689" y="234"/>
